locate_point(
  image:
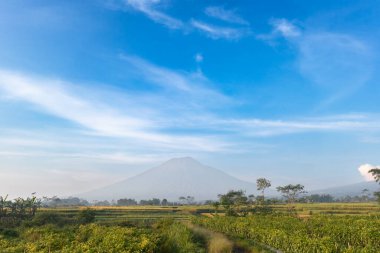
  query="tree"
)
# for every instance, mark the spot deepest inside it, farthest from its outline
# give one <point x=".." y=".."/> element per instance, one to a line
<point x="126" y="202"/>
<point x="86" y="216"/>
<point x="323" y="198"/>
<point x="190" y="200"/>
<point x="365" y="194"/>
<point x="216" y="205"/>
<point x="376" y="174"/>
<point x="164" y="202"/>
<point x="291" y="192"/>
<point x="182" y="199"/>
<point x="262" y="184"/>
<point x="233" y="201"/>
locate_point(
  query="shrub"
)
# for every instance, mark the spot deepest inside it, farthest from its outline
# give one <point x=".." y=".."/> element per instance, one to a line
<point x="86" y="216"/>
<point x="44" y="218"/>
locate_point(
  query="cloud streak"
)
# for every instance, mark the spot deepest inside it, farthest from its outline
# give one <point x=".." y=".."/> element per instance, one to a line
<point x="219" y="32"/>
<point x="56" y="98"/>
<point x="336" y="63"/>
<point x="221" y="13"/>
<point x="195" y="86"/>
<point x="148" y="7"/>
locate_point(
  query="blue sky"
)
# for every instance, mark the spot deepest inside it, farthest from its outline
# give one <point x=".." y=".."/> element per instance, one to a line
<point x="92" y="92"/>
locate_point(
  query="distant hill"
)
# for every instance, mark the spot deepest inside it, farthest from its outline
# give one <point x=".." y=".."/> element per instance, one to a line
<point x="349" y="190"/>
<point x="174" y="178"/>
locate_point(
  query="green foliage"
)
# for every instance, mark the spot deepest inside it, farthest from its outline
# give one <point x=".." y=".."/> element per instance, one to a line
<point x="291" y="234"/>
<point x="86" y="216"/>
<point x="234" y="203"/>
<point x="9" y="232"/>
<point x="375" y="173"/>
<point x="262" y="184"/>
<point x="176" y="238"/>
<point x="291" y="193"/>
<point x="377" y="195"/>
<point x="126" y="202"/>
<point x="45" y="218"/>
<point x="85" y="238"/>
<point x="19" y="208"/>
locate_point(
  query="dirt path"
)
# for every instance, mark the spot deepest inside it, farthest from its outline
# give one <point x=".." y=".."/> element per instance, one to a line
<point x="217" y="242"/>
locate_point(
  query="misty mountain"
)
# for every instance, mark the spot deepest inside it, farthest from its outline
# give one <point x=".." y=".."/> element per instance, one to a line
<point x="349" y="190"/>
<point x="174" y="178"/>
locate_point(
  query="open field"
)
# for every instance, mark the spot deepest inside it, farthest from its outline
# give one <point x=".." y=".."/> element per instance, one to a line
<point x="335" y="227"/>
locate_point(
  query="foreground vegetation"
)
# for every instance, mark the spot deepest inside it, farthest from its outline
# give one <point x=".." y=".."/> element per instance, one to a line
<point x="314" y="228"/>
<point x="235" y="223"/>
<point x="292" y="234"/>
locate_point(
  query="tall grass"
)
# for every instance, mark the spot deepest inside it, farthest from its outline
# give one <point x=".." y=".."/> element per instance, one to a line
<point x="216" y="242"/>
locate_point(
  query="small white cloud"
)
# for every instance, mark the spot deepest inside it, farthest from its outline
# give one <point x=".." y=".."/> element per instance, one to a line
<point x="285" y="28"/>
<point x="198" y="57"/>
<point x="364" y="171"/>
<point x="221" y="13"/>
<point x="219" y="32"/>
<point x="149" y="8"/>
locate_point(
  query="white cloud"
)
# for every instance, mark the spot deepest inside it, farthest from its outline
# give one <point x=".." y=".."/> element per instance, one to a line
<point x="149" y="8"/>
<point x="364" y="169"/>
<point x="60" y="99"/>
<point x="195" y="85"/>
<point x="198" y="57"/>
<point x="281" y="28"/>
<point x="219" y="32"/>
<point x="336" y="63"/>
<point x="256" y="127"/>
<point x="334" y="60"/>
<point x="221" y="13"/>
<point x="285" y="28"/>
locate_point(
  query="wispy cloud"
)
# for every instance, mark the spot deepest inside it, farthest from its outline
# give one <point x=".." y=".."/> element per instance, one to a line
<point x="337" y="63"/>
<point x="285" y="28"/>
<point x="149" y="8"/>
<point x="58" y="98"/>
<point x="159" y="129"/>
<point x="221" y="13"/>
<point x="334" y="60"/>
<point x="219" y="32"/>
<point x="195" y="85"/>
<point x="256" y="127"/>
<point x="198" y="57"/>
<point x="281" y="28"/>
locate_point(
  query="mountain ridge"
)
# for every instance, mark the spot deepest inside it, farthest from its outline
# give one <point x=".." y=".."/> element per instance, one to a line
<point x="172" y="179"/>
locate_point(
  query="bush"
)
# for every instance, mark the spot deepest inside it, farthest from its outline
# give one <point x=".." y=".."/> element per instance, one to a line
<point x="44" y="218"/>
<point x="177" y="238"/>
<point x="9" y="233"/>
<point x="86" y="216"/>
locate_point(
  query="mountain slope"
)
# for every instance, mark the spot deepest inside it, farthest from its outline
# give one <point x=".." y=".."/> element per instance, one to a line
<point x="174" y="178"/>
<point x="349" y="190"/>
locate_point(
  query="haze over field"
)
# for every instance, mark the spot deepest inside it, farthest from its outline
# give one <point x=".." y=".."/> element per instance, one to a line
<point x="178" y="177"/>
<point x="184" y="176"/>
<point x="95" y="92"/>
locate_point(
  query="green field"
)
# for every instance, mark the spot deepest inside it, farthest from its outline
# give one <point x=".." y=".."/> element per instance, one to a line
<point x="335" y="227"/>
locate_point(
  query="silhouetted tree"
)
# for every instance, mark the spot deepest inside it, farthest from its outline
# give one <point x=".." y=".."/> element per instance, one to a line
<point x="233" y="201"/>
<point x="262" y="184"/>
<point x="376" y="174"/>
<point x="291" y="193"/>
<point x="126" y="202"/>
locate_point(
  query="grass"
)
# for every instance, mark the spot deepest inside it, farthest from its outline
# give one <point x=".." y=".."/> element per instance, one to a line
<point x="109" y="214"/>
<point x="215" y="242"/>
